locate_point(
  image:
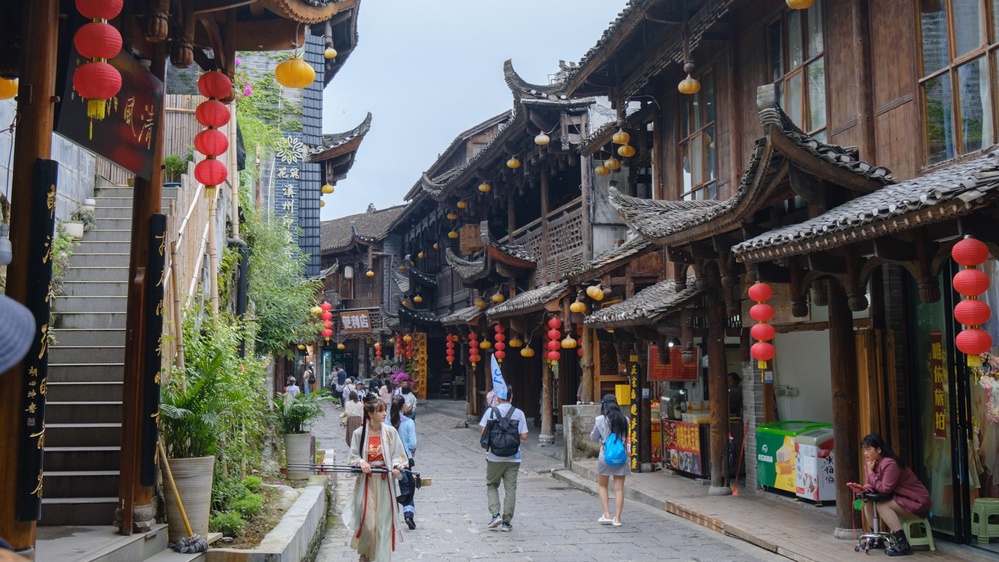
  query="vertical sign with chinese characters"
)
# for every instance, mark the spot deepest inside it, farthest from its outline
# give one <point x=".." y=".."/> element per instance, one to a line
<point x="32" y="430"/>
<point x="153" y="347"/>
<point x="939" y="374"/>
<point x="289" y="154"/>
<point x="633" y="408"/>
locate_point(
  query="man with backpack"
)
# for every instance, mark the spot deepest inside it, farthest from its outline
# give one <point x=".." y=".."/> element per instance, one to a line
<point x="503" y="428"/>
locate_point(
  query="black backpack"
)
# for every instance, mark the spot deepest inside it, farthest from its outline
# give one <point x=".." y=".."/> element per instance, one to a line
<point x="503" y="433"/>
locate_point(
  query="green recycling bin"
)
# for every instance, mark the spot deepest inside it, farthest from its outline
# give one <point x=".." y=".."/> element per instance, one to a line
<point x="775" y="455"/>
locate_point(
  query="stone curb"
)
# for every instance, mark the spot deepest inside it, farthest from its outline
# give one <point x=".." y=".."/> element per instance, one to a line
<point x="294" y="538"/>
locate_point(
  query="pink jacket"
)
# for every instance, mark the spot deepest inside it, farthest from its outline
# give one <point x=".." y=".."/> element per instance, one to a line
<point x="910" y="493"/>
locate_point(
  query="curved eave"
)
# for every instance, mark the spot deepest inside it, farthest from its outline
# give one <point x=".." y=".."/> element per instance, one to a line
<point x="463" y="316"/>
<point x="421" y="278"/>
<point x="300" y="12"/>
<point x="525" y="90"/>
<point x="468" y="271"/>
<point x="647" y="307"/>
<point x="345" y="37"/>
<point x="613" y="38"/>
<point x="420" y="317"/>
<point x="498" y="254"/>
<point x="340" y="144"/>
<point x="529" y="301"/>
<point x="609" y="261"/>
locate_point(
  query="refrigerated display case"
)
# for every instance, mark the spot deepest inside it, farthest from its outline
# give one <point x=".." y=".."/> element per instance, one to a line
<point x="775" y="458"/>
<point x="815" y="472"/>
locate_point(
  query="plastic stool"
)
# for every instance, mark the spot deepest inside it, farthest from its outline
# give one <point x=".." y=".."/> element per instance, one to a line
<point x="981" y="519"/>
<point x="918" y="532"/>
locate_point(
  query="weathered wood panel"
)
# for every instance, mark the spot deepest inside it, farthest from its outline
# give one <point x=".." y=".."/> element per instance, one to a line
<point x="897" y="138"/>
<point x="841" y="76"/>
<point x="897" y="127"/>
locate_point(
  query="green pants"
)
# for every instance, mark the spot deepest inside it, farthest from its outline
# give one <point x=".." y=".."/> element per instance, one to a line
<point x="507" y="473"/>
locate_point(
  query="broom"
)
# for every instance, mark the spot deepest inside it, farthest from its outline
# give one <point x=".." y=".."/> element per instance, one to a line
<point x="192" y="543"/>
<point x="738" y="464"/>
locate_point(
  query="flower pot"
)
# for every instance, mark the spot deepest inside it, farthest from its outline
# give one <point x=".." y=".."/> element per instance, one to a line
<point x="298" y="455"/>
<point x="74" y="229"/>
<point x="194" y="484"/>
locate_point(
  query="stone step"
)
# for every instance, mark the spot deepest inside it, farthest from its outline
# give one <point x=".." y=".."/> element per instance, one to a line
<point x="63" y="304"/>
<point x="114" y="224"/>
<point x="87" y="246"/>
<point x="80" y="483"/>
<point x="108" y="234"/>
<point x="74" y="459"/>
<point x="113" y="211"/>
<point x="89" y="337"/>
<point x="98" y="259"/>
<point x="66" y="354"/>
<point x="82" y="372"/>
<point x="78" y="511"/>
<point x="83" y="412"/>
<point x="94" y="288"/>
<point x="87" y="320"/>
<point x="85" y="273"/>
<point x="73" y="434"/>
<point x="84" y="391"/>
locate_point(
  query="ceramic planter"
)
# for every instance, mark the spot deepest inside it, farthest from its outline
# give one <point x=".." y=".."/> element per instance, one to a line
<point x="194" y="484"/>
<point x="298" y="455"/>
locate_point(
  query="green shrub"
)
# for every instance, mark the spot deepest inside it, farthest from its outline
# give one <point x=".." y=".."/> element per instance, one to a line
<point x="253" y="483"/>
<point x="249" y="506"/>
<point x="229" y="524"/>
<point x="226" y="493"/>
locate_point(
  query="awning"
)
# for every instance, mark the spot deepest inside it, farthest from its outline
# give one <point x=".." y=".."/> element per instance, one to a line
<point x="633" y="247"/>
<point x="462" y="316"/>
<point x="529" y="301"/>
<point x="646" y="307"/>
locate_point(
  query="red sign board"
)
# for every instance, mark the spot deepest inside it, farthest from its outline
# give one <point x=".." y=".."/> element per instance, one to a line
<point x="939" y="375"/>
<point x="126" y="135"/>
<point x="676" y="369"/>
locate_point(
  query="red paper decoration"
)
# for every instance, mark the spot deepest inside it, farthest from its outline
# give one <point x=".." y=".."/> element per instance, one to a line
<point x="326" y="306"/>
<point x="211" y="142"/>
<point x="212" y="113"/>
<point x="327" y="333"/>
<point x="99" y="9"/>
<point x="500" y="355"/>
<point x="211" y="172"/>
<point x="215" y="85"/>
<point x="971" y="312"/>
<point x="554" y="323"/>
<point x="97" y="40"/>
<point x="554" y="344"/>
<point x="762" y="351"/>
<point x="473" y="348"/>
<point x="97" y="81"/>
<point x="327" y="315"/>
<point x="449" y="351"/>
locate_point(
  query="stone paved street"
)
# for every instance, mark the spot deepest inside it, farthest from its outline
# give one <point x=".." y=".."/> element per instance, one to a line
<point x="553" y="522"/>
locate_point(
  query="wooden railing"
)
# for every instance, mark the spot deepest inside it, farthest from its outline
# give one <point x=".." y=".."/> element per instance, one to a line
<point x="565" y="231"/>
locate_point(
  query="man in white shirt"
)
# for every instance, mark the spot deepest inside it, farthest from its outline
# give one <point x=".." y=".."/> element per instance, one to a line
<point x="406" y="391"/>
<point x="292" y="389"/>
<point x="503" y="469"/>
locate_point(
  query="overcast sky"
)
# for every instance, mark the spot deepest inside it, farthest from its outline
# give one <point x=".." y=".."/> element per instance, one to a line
<point x="429" y="70"/>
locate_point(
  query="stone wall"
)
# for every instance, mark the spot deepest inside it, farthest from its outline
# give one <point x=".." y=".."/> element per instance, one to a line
<point x="577" y="424"/>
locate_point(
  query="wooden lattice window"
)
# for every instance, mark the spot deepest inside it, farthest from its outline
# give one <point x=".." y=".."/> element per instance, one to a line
<point x="797" y="67"/>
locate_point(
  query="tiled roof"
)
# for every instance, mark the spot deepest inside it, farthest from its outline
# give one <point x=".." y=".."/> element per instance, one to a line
<point x="372" y="226"/>
<point x="461" y="316"/>
<point x="466" y="269"/>
<point x="401" y="281"/>
<point x="939" y="195"/>
<point x="524" y="302"/>
<point x="657" y="219"/>
<point x="631" y="246"/>
<point x="426" y="279"/>
<point x="422" y="317"/>
<point x="645" y="307"/>
<point x="336" y="140"/>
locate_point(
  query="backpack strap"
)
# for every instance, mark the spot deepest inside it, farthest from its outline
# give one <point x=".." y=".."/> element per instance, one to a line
<point x="496" y="413"/>
<point x="509" y="413"/>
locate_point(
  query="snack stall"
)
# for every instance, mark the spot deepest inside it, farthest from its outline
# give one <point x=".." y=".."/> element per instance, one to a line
<point x="687" y="444"/>
<point x="775" y="452"/>
<point x="684" y="426"/>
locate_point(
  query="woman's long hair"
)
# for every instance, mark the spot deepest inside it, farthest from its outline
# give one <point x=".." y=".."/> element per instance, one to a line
<point x="614" y="416"/>
<point x="395" y="415"/>
<point x="370" y="403"/>
<point x="874" y="441"/>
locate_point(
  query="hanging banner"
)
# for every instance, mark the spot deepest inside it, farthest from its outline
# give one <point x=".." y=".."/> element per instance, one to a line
<point x="939" y="375"/>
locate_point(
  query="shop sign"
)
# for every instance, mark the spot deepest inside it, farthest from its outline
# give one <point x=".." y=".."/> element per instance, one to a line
<point x="939" y="375"/>
<point x="682" y="446"/>
<point x="354" y="322"/>
<point x="633" y="387"/>
<point x="676" y="369"/>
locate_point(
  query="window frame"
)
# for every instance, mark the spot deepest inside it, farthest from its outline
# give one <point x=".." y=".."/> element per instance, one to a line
<point x="685" y="112"/>
<point x="802" y="69"/>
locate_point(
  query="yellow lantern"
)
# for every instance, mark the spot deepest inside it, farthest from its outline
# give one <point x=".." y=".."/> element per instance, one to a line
<point x="407" y="338"/>
<point x="569" y="343"/>
<point x="391" y="341"/>
<point x="542" y="139"/>
<point x="340" y="346"/>
<point x="8" y="88"/>
<point x="612" y="163"/>
<point x="295" y="73"/>
<point x="418" y="299"/>
<point x="461" y="204"/>
<point x="621" y="137"/>
<point x="513" y="163"/>
<point x="485" y="187"/>
<point x="484" y="344"/>
<point x="602" y="170"/>
<point x="322" y="203"/>
<point x="800" y="4"/>
<point x="626" y="150"/>
<point x="527" y="352"/>
<point x="420" y="255"/>
<point x="437" y="246"/>
<point x="497" y="298"/>
<point x="452" y="235"/>
<point x="689" y="86"/>
<point x="329" y="53"/>
<point x="402" y="267"/>
<point x="327" y="189"/>
<point x="577" y="307"/>
<point x="370" y="273"/>
<point x="405" y="303"/>
<point x="452" y="216"/>
<point x="301" y="346"/>
<point x="480" y="303"/>
<point x="516" y="342"/>
<point x="316" y="310"/>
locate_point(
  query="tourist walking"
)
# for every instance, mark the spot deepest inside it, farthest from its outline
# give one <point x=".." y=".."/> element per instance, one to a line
<point x="407" y="432"/>
<point x="352" y="415"/>
<point x="611" y="422"/>
<point x="377" y="450"/>
<point x="502" y="468"/>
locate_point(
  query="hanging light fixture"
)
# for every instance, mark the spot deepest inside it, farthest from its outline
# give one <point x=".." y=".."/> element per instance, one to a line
<point x="542" y="139"/>
<point x="577" y="306"/>
<point x="329" y="53"/>
<point x="327" y="189"/>
<point x="612" y="163"/>
<point x="462" y="204"/>
<point x="800" y="4"/>
<point x="479" y="302"/>
<point x="689" y="85"/>
<point x="513" y="163"/>
<point x="96" y="80"/>
<point x="369" y="273"/>
<point x="497" y="298"/>
<point x="626" y="150"/>
<point x="340" y="346"/>
<point x="322" y="203"/>
<point x="452" y="235"/>
<point x="8" y="88"/>
<point x="452" y="216"/>
<point x="295" y="73"/>
<point x="602" y="170"/>
<point x="620" y="137"/>
<point x="484" y="187"/>
<point x="418" y="299"/>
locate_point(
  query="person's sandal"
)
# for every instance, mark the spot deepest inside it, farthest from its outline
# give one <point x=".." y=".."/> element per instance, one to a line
<point x="616" y="523"/>
<point x="605" y="520"/>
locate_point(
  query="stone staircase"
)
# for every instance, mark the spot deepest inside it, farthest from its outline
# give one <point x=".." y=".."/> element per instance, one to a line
<point x="86" y="370"/>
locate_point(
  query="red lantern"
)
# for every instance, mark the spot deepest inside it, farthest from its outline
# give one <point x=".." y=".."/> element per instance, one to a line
<point x="211" y="142"/>
<point x="97" y="40"/>
<point x="499" y="336"/>
<point x="327" y="315"/>
<point x="211" y="172"/>
<point x="762" y="351"/>
<point x="762" y="332"/>
<point x="554" y="323"/>
<point x="554" y="356"/>
<point x="500" y="346"/>
<point x="212" y="113"/>
<point x="579" y="352"/>
<point x="970" y="252"/>
<point x="760" y="292"/>
<point x="972" y="312"/>
<point x="99" y="9"/>
<point x="449" y="344"/>
<point x="971" y="282"/>
<point x="500" y="355"/>
<point x="500" y="329"/>
<point x="554" y="334"/>
<point x="214" y="85"/>
<point x="97" y="82"/>
<point x="974" y="342"/>
<point x="327" y="333"/>
<point x="761" y="312"/>
<point x="326" y="306"/>
<point x="554" y="345"/>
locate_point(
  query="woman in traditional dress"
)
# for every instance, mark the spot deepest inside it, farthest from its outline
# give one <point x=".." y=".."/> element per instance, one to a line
<point x="353" y="416"/>
<point x="375" y="516"/>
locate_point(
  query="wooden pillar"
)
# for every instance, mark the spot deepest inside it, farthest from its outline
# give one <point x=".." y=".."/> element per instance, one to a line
<point x="589" y="342"/>
<point x="546" y="249"/>
<point x="845" y="402"/>
<point x="135" y="501"/>
<point x="547" y="423"/>
<point x="864" y="86"/>
<point x="717" y="375"/>
<point x="35" y="107"/>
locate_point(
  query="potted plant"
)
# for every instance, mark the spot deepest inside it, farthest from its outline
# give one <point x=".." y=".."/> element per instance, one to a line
<point x="295" y="415"/>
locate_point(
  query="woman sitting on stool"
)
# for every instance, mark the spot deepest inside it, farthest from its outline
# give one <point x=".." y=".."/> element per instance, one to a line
<point x="887" y="475"/>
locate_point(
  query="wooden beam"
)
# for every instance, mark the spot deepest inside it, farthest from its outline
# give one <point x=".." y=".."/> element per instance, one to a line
<point x="679" y="255"/>
<point x="826" y="263"/>
<point x="702" y="250"/>
<point x="807" y="186"/>
<point x="772" y="273"/>
<point x="892" y="249"/>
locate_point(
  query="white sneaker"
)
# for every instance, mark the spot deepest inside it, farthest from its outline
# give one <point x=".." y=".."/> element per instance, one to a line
<point x="496" y="522"/>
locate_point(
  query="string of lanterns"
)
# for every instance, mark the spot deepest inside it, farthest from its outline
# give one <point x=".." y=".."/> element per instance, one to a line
<point x="97" y="81"/>
<point x="554" y="343"/>
<point x="971" y="312"/>
<point x="212" y="142"/>
<point x="473" y="349"/>
<point x="327" y="316"/>
<point x="378" y="352"/>
<point x="762" y="350"/>
<point x="500" y="338"/>
<point x="449" y="349"/>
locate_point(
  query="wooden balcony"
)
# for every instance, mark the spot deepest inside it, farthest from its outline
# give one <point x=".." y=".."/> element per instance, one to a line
<point x="565" y="226"/>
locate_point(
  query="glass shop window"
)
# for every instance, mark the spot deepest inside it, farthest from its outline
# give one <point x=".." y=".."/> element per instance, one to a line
<point x="797" y="67"/>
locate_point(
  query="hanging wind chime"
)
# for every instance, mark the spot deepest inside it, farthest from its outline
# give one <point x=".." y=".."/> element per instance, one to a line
<point x="972" y="312"/>
<point x="97" y="81"/>
<point x="763" y="351"/>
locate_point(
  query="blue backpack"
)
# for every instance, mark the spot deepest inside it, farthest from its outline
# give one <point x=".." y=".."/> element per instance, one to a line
<point x="614" y="453"/>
